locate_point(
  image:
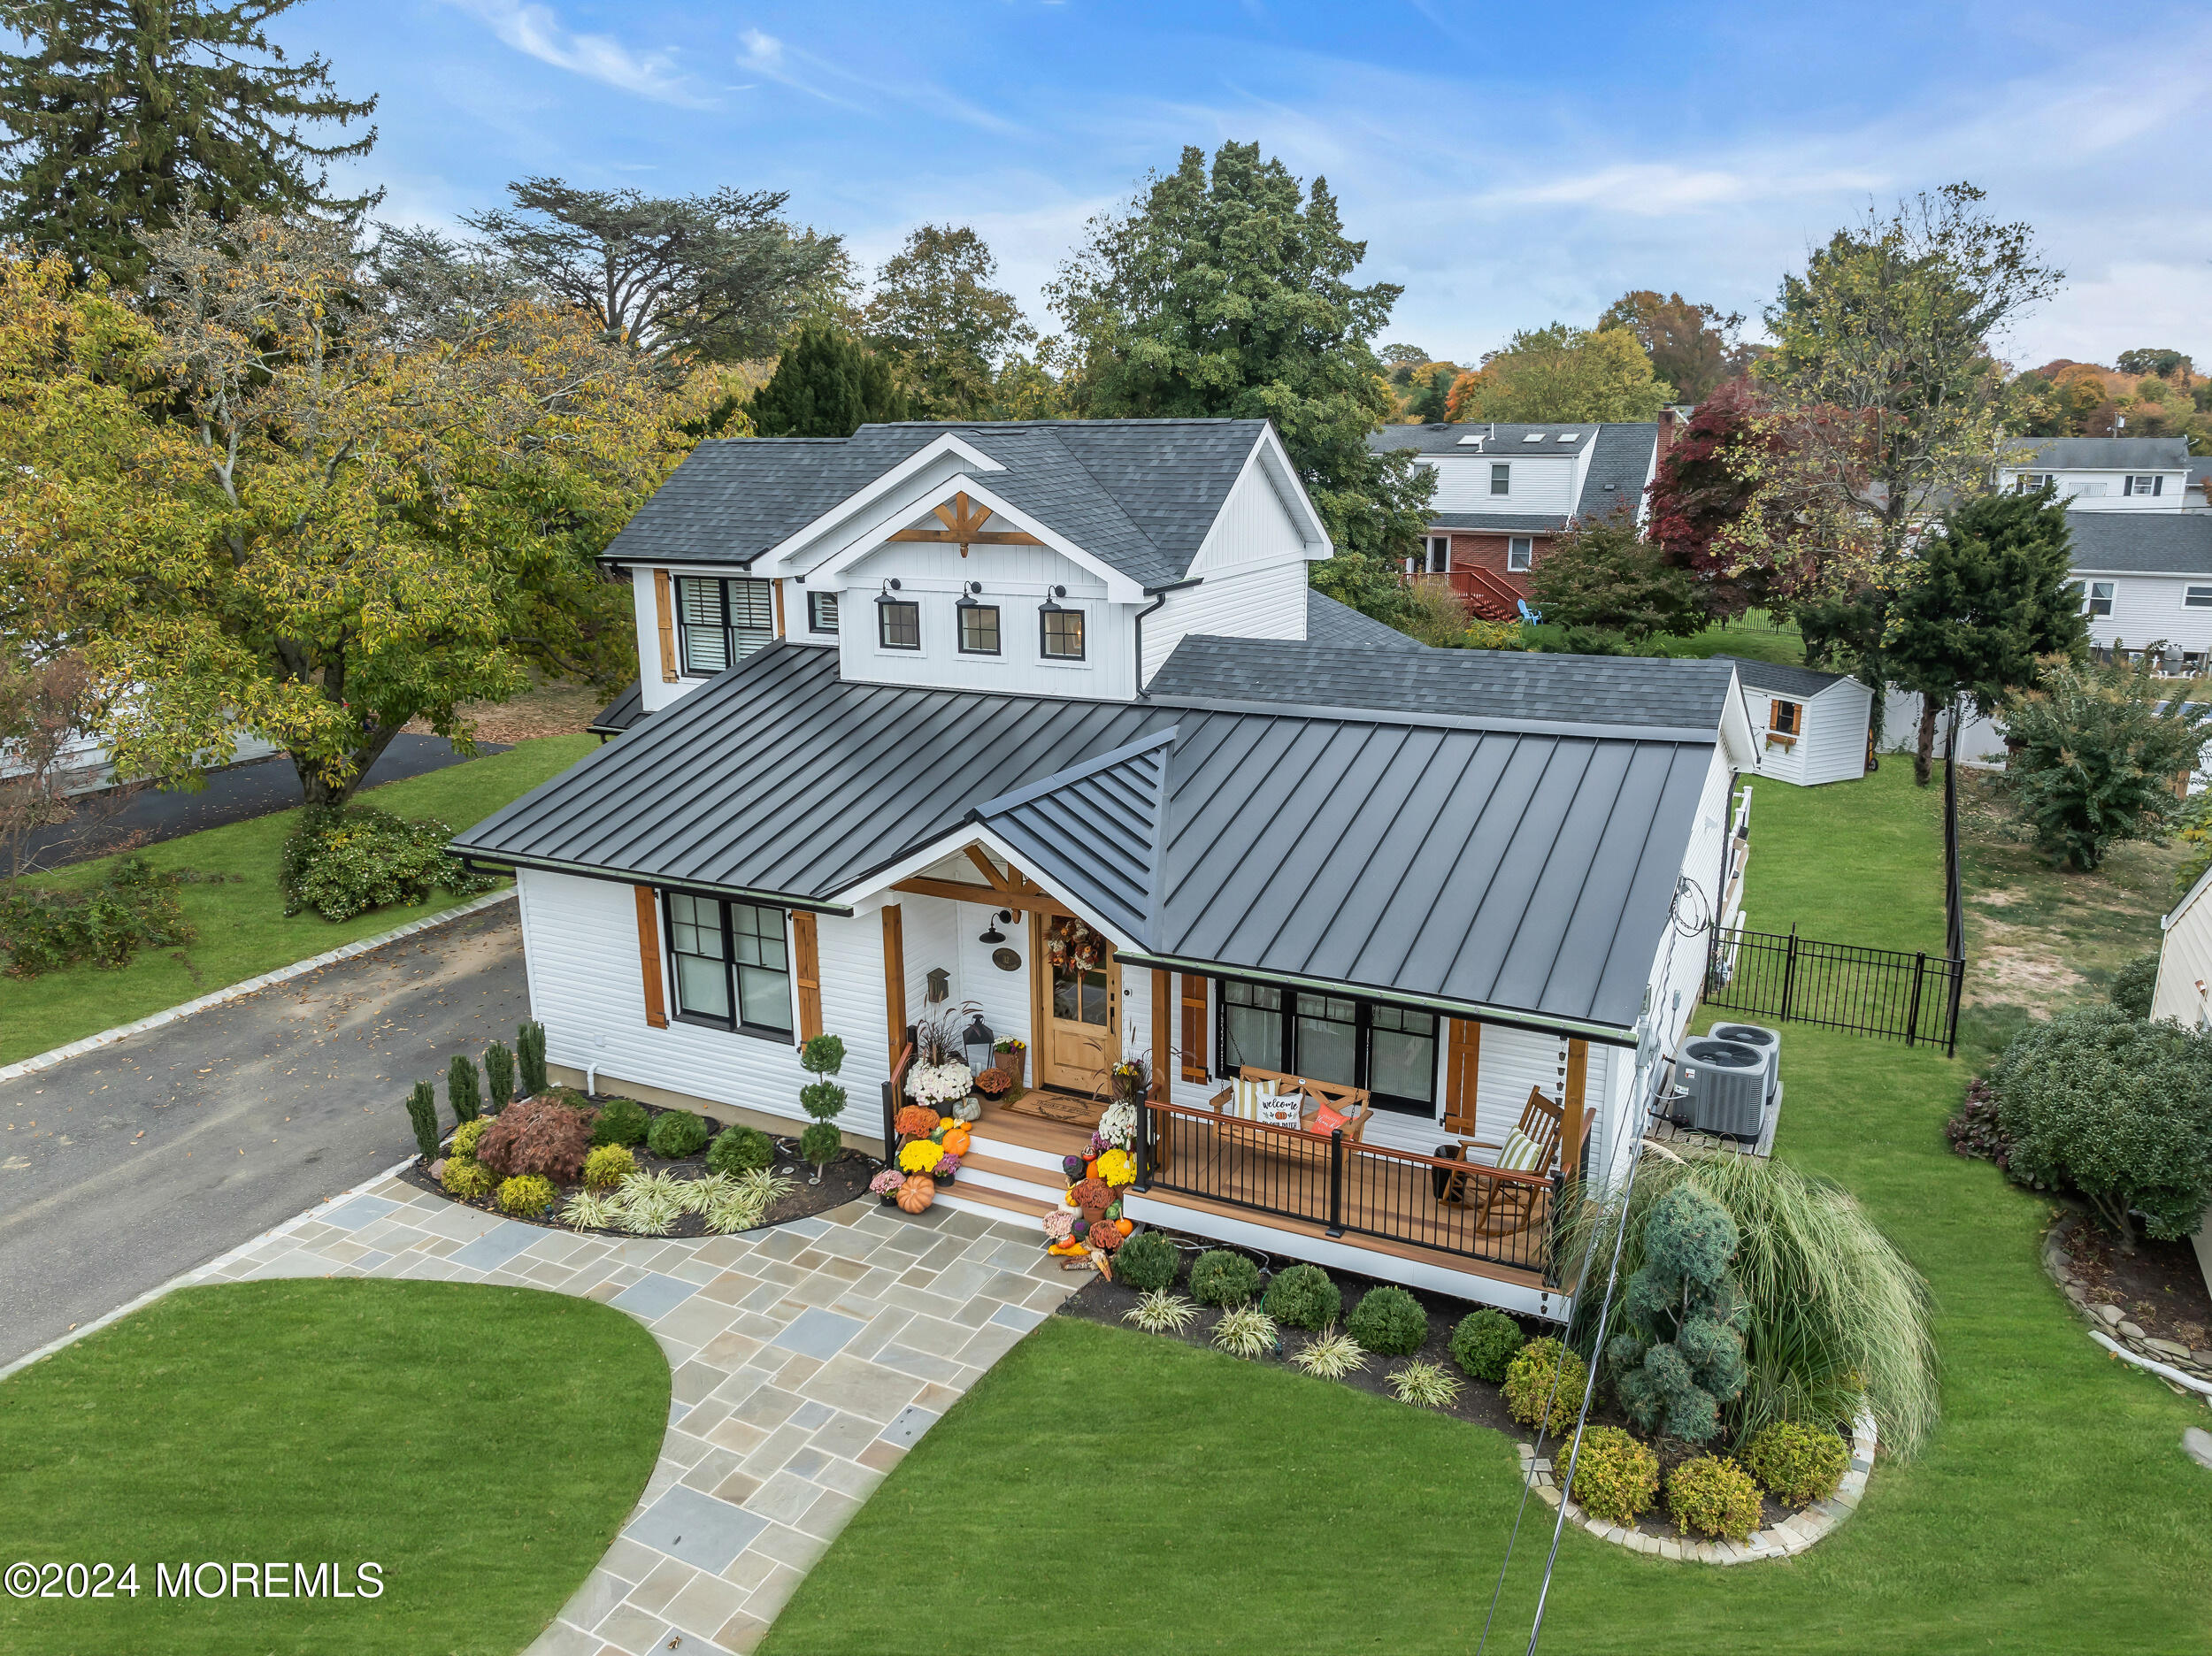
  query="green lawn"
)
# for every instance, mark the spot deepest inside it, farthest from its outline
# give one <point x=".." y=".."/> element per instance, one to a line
<point x="1169" y="1500"/>
<point x="243" y="929"/>
<point x="1755" y="635"/>
<point x="482" y="1444"/>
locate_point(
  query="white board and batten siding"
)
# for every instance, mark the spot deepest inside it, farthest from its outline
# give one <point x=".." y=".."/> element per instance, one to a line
<point x="1252" y="575"/>
<point x="1831" y="746"/>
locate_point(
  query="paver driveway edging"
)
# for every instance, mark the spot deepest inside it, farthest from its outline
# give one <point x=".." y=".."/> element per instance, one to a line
<point x="806" y="1359"/>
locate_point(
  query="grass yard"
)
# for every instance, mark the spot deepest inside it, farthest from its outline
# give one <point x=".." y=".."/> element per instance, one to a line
<point x="1171" y="1499"/>
<point x="482" y="1444"/>
<point x="242" y="928"/>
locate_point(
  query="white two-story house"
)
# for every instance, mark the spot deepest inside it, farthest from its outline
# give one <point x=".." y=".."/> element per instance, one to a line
<point x="1045" y="719"/>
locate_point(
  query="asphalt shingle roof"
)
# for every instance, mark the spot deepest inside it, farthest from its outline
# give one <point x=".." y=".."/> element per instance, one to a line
<point x="1343" y="627"/>
<point x="2142" y="542"/>
<point x="1805" y="682"/>
<point x="2099" y="454"/>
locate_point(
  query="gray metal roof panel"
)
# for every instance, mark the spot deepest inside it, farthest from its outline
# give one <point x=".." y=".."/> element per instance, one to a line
<point x="2142" y="542"/>
<point x="2099" y="454"/>
<point x="1110" y="806"/>
<point x="1798" y="681"/>
<point x="620" y="714"/>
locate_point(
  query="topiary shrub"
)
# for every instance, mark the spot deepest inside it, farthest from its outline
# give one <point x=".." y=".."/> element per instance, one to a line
<point x="527" y="1196"/>
<point x="460" y="1088"/>
<point x="468" y="1136"/>
<point x="621" y="1121"/>
<point x="1531" y="1396"/>
<point x="1222" y="1276"/>
<point x="1146" y="1262"/>
<point x="1484" y="1343"/>
<point x="820" y="1143"/>
<point x="530" y="1056"/>
<point x="499" y="1078"/>
<point x="1303" y="1297"/>
<point x="822" y="1056"/>
<point x="2135" y="984"/>
<point x="467" y="1179"/>
<point x="676" y="1134"/>
<point x="1389" y="1321"/>
<point x="2116" y="1109"/>
<point x="537" y="1136"/>
<point x="1797" y="1463"/>
<point x="1713" y="1495"/>
<point x="1617" y="1478"/>
<point x="607" y="1166"/>
<point x="343" y="861"/>
<point x="1681" y="1356"/>
<point x="422" y="1114"/>
<point x="741" y="1150"/>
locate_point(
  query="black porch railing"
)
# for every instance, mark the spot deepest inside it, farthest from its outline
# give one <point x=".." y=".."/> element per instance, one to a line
<point x="1457" y="1208"/>
<point x="1912" y="998"/>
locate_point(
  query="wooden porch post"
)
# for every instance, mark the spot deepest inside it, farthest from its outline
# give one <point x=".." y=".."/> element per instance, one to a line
<point x="1571" y="1123"/>
<point x="1163" y="990"/>
<point x="893" y="979"/>
<point x="1462" y="1074"/>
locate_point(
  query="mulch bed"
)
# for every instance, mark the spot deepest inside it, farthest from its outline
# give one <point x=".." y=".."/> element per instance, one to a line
<point x="2159" y="1287"/>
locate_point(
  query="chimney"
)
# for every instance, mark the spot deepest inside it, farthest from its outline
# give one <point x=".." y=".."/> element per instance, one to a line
<point x="1667" y="420"/>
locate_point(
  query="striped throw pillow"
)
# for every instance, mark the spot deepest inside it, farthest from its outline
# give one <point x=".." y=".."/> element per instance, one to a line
<point x="1521" y="1153"/>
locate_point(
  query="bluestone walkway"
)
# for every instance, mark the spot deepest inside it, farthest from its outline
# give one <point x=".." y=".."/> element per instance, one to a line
<point x="806" y="1359"/>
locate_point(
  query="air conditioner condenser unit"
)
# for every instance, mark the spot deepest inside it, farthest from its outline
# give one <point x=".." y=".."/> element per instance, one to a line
<point x="1721" y="1088"/>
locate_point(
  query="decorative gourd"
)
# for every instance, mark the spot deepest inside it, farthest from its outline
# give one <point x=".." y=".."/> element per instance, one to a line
<point x="918" y="1192"/>
<point x="956" y="1142"/>
<point x="1124" y="1225"/>
<point x="968" y="1109"/>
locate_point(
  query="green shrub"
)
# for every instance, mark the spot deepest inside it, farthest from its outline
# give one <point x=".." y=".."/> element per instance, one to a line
<point x="468" y="1136"/>
<point x="530" y="1055"/>
<point x="1529" y="1384"/>
<point x="2117" y="1109"/>
<point x="1302" y="1297"/>
<point x="422" y="1114"/>
<point x="570" y="1098"/>
<point x="1389" y="1321"/>
<point x="499" y="1078"/>
<point x="1222" y="1276"/>
<point x="1678" y="1358"/>
<point x="1483" y="1344"/>
<point x="343" y="861"/>
<point x="822" y="1142"/>
<point x="2141" y="737"/>
<point x="741" y="1150"/>
<point x="1146" y="1262"/>
<point x="1797" y="1463"/>
<point x="676" y="1134"/>
<point x="608" y="1165"/>
<point x="537" y="1136"/>
<point x="1617" y="1478"/>
<point x="2134" y="984"/>
<point x="526" y="1195"/>
<point x="467" y="1179"/>
<point x="1713" y="1495"/>
<point x="621" y="1121"/>
<point x="134" y="907"/>
<point x="460" y="1089"/>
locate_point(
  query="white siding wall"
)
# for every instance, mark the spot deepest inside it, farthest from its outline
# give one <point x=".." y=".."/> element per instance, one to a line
<point x="1782" y="763"/>
<point x="1540" y="483"/>
<point x="2100" y="491"/>
<point x="1832" y="744"/>
<point x="656" y="693"/>
<point x="2147" y="609"/>
<point x="1254" y="527"/>
<point x="2185" y="961"/>
<point x="1266" y="601"/>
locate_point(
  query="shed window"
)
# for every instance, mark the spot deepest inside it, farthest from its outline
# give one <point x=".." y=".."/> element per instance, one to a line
<point x="1062" y="634"/>
<point x="1520" y="552"/>
<point x="2152" y="484"/>
<point x="731" y="968"/>
<point x="979" y="629"/>
<point x="1786" y="720"/>
<point x="1502" y="477"/>
<point x="821" y="612"/>
<point x="722" y="621"/>
<point x="898" y="624"/>
<point x="2198" y="598"/>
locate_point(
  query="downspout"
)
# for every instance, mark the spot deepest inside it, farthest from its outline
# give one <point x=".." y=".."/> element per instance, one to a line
<point x="1148" y="609"/>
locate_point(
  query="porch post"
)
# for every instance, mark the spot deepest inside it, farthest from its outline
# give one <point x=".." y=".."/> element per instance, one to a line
<point x="1163" y="990"/>
<point x="893" y="979"/>
<point x="1570" y="1119"/>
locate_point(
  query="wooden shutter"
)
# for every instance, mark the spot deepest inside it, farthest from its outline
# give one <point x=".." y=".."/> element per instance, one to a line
<point x="807" y="968"/>
<point x="664" y="606"/>
<point x="777" y="587"/>
<point x="1463" y="1072"/>
<point x="894" y="980"/>
<point x="648" y="954"/>
<point x="1195" y="1065"/>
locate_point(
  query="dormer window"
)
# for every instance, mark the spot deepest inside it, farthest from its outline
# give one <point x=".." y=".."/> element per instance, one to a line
<point x="821" y="612"/>
<point x="898" y="624"/>
<point x="2152" y="484"/>
<point x="721" y="622"/>
<point x="1060" y="630"/>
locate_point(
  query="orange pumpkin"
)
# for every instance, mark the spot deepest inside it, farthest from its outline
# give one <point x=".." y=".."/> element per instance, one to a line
<point x="1124" y="1225"/>
<point x="956" y="1142"/>
<point x="918" y="1192"/>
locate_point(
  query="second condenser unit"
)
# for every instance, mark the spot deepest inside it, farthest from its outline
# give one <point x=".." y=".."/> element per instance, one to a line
<point x="1721" y="1087"/>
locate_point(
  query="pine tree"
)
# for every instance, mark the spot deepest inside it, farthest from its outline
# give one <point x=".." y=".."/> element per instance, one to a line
<point x="530" y="1053"/>
<point x="117" y="112"/>
<point x="499" y="1078"/>
<point x="1681" y="1356"/>
<point x="823" y="1100"/>
<point x="825" y="386"/>
<point x="422" y="1112"/>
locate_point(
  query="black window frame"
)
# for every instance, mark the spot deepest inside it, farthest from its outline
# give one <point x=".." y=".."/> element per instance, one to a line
<point x="736" y="1023"/>
<point x="884" y="606"/>
<point x="738" y="640"/>
<point x="965" y="613"/>
<point x="1044" y="635"/>
<point x="815" y="601"/>
<point x="1502" y="477"/>
<point x="1286" y="1059"/>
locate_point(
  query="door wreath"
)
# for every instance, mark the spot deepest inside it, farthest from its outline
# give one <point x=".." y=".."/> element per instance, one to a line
<point x="1072" y="946"/>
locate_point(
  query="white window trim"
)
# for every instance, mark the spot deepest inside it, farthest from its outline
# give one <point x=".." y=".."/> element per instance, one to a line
<point x="1523" y="547"/>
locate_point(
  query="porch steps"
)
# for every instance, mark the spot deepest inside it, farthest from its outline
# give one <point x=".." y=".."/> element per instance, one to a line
<point x="1020" y="1180"/>
<point x="964" y="1195"/>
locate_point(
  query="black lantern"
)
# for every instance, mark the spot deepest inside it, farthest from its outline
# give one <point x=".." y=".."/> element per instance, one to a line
<point x="995" y="935"/>
<point x="969" y="593"/>
<point x="1049" y="607"/>
<point x="975" y="1044"/>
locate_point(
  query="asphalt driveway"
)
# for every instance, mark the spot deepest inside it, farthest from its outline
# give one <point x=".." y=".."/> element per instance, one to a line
<point x="121" y="1167"/>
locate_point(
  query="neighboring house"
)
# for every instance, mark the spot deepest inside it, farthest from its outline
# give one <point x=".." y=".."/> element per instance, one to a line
<point x="1045" y="719"/>
<point x="2103" y="474"/>
<point x="1811" y="726"/>
<point x="2146" y="580"/>
<point x="1504" y="493"/>
<point x="2184" y="992"/>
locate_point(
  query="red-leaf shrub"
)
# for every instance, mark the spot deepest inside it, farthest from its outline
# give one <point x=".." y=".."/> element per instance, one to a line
<point x="538" y="1136"/>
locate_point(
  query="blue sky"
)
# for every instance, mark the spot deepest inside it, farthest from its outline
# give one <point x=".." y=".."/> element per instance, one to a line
<point x="1509" y="165"/>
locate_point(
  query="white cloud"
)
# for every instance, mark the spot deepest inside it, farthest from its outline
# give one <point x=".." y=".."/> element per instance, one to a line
<point x="536" y="30"/>
<point x="805" y="72"/>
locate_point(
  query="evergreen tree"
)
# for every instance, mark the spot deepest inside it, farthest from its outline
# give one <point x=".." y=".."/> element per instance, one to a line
<point x="1984" y="600"/>
<point x="117" y="112"/>
<point x="1681" y="1355"/>
<point x="461" y="1090"/>
<point x="825" y="386"/>
<point x="823" y="1100"/>
<point x="1604" y="574"/>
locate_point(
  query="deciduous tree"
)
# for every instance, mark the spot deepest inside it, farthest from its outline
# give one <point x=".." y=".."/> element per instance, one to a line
<point x="1563" y="373"/>
<point x="1694" y="347"/>
<point x="943" y="327"/>
<point x="1604" y="574"/>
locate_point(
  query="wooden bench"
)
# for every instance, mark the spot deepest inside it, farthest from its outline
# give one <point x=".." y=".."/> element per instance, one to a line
<point x="1352" y="1103"/>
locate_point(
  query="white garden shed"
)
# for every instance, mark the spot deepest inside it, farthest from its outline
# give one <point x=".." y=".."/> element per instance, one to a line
<point x="1811" y="728"/>
<point x="2185" y="992"/>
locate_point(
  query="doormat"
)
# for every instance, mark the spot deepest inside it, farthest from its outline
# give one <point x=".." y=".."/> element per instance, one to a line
<point x="1055" y="1107"/>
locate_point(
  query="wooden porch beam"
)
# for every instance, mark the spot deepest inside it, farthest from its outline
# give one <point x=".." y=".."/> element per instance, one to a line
<point x="981" y="537"/>
<point x="989" y="870"/>
<point x="895" y="978"/>
<point x="985" y="896"/>
<point x="1163" y="991"/>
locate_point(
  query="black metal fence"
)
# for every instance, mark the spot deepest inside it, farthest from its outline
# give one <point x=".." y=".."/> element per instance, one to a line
<point x="1912" y="998"/>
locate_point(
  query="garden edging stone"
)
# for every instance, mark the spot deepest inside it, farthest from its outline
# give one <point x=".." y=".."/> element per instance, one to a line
<point x="1791" y="1536"/>
<point x="2170" y="1362"/>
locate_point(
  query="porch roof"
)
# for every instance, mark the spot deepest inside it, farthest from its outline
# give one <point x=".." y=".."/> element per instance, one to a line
<point x="1523" y="871"/>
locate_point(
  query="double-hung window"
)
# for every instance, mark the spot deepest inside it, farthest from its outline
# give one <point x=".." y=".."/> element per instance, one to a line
<point x="1502" y="477"/>
<point x="2198" y="598"/>
<point x="1389" y="1050"/>
<point x="2100" y="599"/>
<point x="731" y="967"/>
<point x="821" y="612"/>
<point x="722" y="621"/>
<point x="1520" y="552"/>
<point x="1060" y="636"/>
<point x="2145" y="483"/>
<point x="898" y="624"/>
<point x="2028" y="482"/>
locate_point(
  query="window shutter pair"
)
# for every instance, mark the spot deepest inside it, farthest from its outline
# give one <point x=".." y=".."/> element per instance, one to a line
<point x="806" y="964"/>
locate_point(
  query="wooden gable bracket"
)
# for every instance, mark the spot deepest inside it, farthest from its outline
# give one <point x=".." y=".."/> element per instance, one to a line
<point x="963" y="527"/>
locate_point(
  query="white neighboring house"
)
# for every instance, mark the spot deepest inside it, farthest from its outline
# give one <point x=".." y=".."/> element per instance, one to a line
<point x="1811" y="726"/>
<point x="2185" y="992"/>
<point x="2100" y="474"/>
<point x="1045" y="717"/>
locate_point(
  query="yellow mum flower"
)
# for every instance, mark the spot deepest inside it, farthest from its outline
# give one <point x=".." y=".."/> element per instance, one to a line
<point x="1116" y="1168"/>
<point x="921" y="1156"/>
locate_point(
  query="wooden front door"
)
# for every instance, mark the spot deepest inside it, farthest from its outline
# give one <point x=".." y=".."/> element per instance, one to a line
<point x="1079" y="1020"/>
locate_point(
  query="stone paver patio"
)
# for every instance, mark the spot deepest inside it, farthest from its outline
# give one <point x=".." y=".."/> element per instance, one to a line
<point x="806" y="1359"/>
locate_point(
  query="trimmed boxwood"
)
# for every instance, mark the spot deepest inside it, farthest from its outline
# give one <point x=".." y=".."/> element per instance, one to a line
<point x="1528" y="1384"/>
<point x="1146" y="1261"/>
<point x="1797" y="1463"/>
<point x="1303" y="1297"/>
<point x="621" y="1121"/>
<point x="526" y="1195"/>
<point x="1485" y="1342"/>
<point x="1222" y="1276"/>
<point x="740" y="1150"/>
<point x="467" y="1179"/>
<point x="676" y="1134"/>
<point x="1617" y="1478"/>
<point x="1389" y="1321"/>
<point x="607" y="1166"/>
<point x="1713" y="1495"/>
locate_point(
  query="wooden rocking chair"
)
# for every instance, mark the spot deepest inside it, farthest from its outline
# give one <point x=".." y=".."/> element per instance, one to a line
<point x="1507" y="1207"/>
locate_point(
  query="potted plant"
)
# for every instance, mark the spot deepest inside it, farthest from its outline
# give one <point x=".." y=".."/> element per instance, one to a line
<point x="1009" y="1055"/>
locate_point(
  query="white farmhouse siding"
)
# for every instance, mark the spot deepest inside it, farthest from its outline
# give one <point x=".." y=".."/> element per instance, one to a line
<point x="1266" y="601"/>
<point x="2184" y="994"/>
